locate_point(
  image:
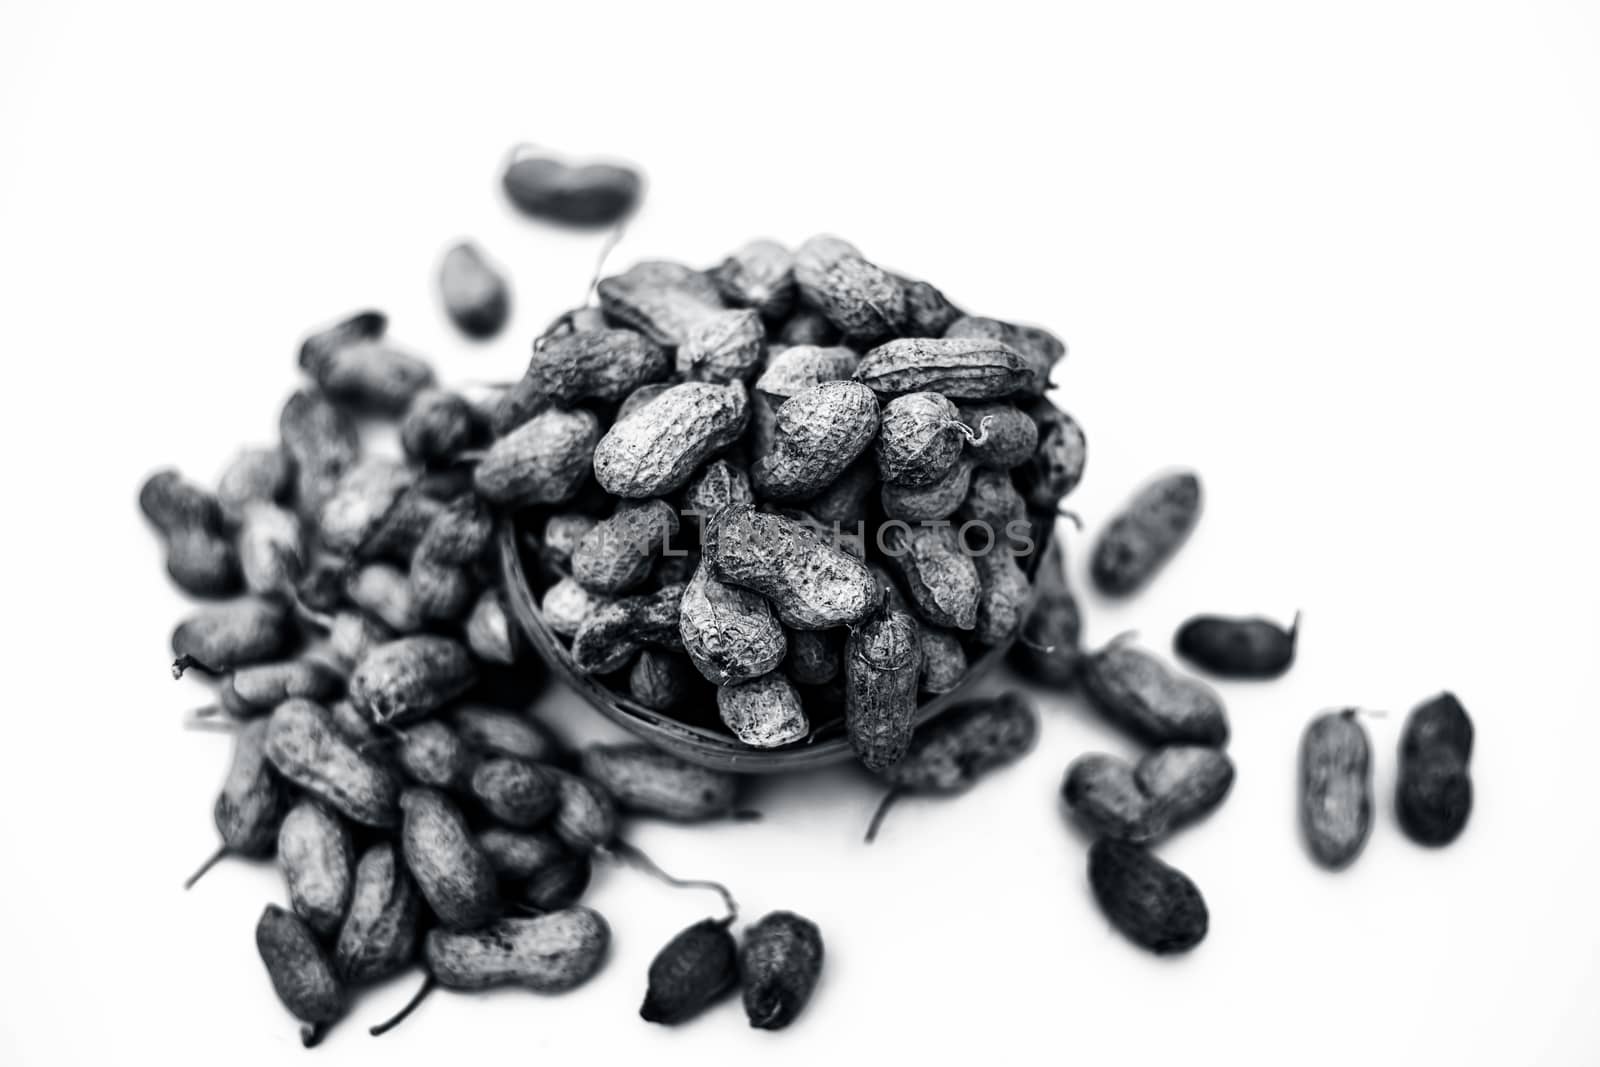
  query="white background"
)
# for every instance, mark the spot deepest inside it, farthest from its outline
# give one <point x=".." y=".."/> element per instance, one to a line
<point x="1342" y="259"/>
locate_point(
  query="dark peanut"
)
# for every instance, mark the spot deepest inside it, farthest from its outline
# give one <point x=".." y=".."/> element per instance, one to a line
<point x="818" y="433"/>
<point x="514" y="793"/>
<point x="476" y="296"/>
<point x="543" y="461"/>
<point x="406" y="679"/>
<point x="648" y="781"/>
<point x="613" y="633"/>
<point x="318" y="864"/>
<point x="883" y="658"/>
<point x="941" y="577"/>
<point x="598" y="365"/>
<point x="693" y="971"/>
<point x="1154" y="905"/>
<point x="1336" y="788"/>
<point x="959" y="369"/>
<point x="306" y="747"/>
<point x="617" y="553"/>
<point x="452" y="872"/>
<point x="301" y="973"/>
<point x="588" y="194"/>
<point x="759" y="275"/>
<point x="779" y="963"/>
<point x="1237" y="648"/>
<point x="232" y="635"/>
<point x="1146" y="534"/>
<point x="379" y="934"/>
<point x="1433" y="796"/>
<point x="1144" y="696"/>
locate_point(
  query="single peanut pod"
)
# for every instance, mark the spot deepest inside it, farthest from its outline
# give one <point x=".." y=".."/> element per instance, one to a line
<point x="763" y="712"/>
<point x="453" y="874"/>
<point x="318" y="862"/>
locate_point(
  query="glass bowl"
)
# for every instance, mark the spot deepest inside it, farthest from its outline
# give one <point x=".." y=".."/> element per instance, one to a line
<point x="713" y="748"/>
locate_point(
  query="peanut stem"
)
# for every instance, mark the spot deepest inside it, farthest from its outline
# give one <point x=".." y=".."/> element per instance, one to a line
<point x="631" y="856"/>
<point x="311" y="1034"/>
<point x="888" y="802"/>
<point x="186" y="661"/>
<point x="399" y="1017"/>
<point x="211" y="861"/>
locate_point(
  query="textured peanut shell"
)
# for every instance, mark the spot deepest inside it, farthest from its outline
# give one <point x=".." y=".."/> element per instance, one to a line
<point x="252" y="801"/>
<point x="845" y="501"/>
<point x="600" y="365"/>
<point x="547" y="953"/>
<point x="929" y="313"/>
<point x="944" y="661"/>
<point x="1104" y="794"/>
<point x="1002" y="596"/>
<point x="758" y="275"/>
<point x="254" y="474"/>
<point x="647" y="781"/>
<point x="204" y="564"/>
<point x="725" y="347"/>
<point x="780" y="961"/>
<point x="616" y="554"/>
<point x="953" y="751"/>
<point x="306" y="748"/>
<point x="499" y="732"/>
<point x="442" y="591"/>
<point x="661" y="299"/>
<point x="301" y="973"/>
<point x="586" y="816"/>
<point x="543" y="461"/>
<point x="729" y="632"/>
<point x="808" y="327"/>
<point x="660" y="680"/>
<point x="1145" y="535"/>
<point x="560" y="539"/>
<point x="1154" y="905"/>
<point x="1041" y="348"/>
<point x="1335" y="788"/>
<point x="941" y="579"/>
<point x="384" y="592"/>
<point x="450" y="870"/>
<point x="1048" y="648"/>
<point x="993" y="501"/>
<point x="359" y="503"/>
<point x="614" y="632"/>
<point x="431" y="754"/>
<point x="460" y="533"/>
<point x="271" y="548"/>
<point x="764" y="712"/>
<point x="1009" y="435"/>
<point x="690" y="972"/>
<point x="717" y="486"/>
<point x="1184" y="782"/>
<point x="1142" y="695"/>
<point x="406" y="679"/>
<point x="1433" y="791"/>
<point x="320" y="440"/>
<point x="519" y="854"/>
<point x="883" y="658"/>
<point x="920" y="439"/>
<point x="372" y="375"/>
<point x="959" y="369"/>
<point x="437" y="425"/>
<point x="814" y="656"/>
<point x="800" y="367"/>
<point x="925" y="503"/>
<point x="258" y="689"/>
<point x="488" y="630"/>
<point x="236" y="634"/>
<point x="811" y="584"/>
<point x="513" y="792"/>
<point x="862" y="299"/>
<point x="658" y="448"/>
<point x="566" y="604"/>
<point x="379" y="934"/>
<point x="318" y="864"/>
<point x="818" y="434"/>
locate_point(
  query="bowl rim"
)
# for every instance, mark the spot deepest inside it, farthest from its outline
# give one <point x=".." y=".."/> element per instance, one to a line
<point x="708" y="748"/>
